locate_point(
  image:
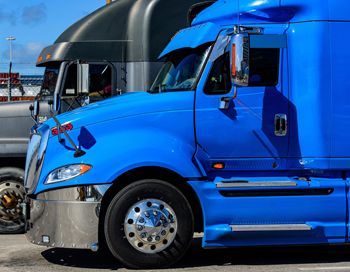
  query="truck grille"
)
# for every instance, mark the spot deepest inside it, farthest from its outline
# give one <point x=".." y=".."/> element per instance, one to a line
<point x="35" y="157"/>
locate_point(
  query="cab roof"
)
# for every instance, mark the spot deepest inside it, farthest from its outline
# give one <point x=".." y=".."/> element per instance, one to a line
<point x="128" y="30"/>
<point x="229" y="12"/>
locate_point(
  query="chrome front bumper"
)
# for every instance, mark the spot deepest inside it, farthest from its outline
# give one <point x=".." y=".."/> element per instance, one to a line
<point x="65" y="218"/>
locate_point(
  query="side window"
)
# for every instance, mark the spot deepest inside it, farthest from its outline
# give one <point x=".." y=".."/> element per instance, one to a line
<point x="100" y="87"/>
<point x="219" y="80"/>
<point x="100" y="82"/>
<point x="71" y="85"/>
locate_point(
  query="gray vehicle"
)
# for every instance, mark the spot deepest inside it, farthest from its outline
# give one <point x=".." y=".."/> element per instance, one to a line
<point x="15" y="124"/>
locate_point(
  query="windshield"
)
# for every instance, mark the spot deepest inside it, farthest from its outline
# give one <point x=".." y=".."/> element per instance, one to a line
<point x="181" y="70"/>
<point x="50" y="80"/>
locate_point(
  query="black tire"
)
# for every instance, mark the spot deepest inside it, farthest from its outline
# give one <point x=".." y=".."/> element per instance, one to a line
<point x="15" y="176"/>
<point x="115" y="236"/>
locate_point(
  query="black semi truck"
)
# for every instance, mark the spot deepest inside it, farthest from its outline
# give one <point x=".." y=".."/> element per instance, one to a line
<point x="111" y="51"/>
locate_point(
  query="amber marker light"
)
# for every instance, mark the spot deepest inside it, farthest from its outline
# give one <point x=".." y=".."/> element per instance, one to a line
<point x="218" y="165"/>
<point x="84" y="168"/>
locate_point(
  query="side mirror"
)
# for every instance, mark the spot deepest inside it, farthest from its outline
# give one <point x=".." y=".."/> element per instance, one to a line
<point x="240" y="59"/>
<point x="56" y="103"/>
<point x="83" y="78"/>
<point x="36" y="109"/>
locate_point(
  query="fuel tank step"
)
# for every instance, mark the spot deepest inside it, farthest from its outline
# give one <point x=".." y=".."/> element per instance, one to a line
<point x="246" y="184"/>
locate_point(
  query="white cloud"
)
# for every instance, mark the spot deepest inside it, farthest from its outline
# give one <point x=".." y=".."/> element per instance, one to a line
<point x="30" y="15"/>
<point x="34" y="14"/>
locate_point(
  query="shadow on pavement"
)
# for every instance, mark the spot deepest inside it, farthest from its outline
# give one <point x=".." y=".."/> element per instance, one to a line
<point x="198" y="257"/>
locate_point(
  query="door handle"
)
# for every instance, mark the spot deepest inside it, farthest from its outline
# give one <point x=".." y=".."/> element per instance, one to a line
<point x="281" y="124"/>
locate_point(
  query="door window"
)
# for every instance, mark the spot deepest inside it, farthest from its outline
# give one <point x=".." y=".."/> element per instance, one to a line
<point x="219" y="80"/>
<point x="70" y="85"/>
<point x="100" y="86"/>
<point x="100" y="82"/>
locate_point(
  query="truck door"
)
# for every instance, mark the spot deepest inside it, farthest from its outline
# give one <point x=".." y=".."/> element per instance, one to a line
<point x="242" y="142"/>
<point x="251" y="133"/>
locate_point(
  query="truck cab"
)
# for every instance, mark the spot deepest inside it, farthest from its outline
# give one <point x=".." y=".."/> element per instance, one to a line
<point x="236" y="138"/>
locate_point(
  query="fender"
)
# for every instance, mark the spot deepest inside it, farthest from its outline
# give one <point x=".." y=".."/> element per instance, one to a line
<point x="164" y="139"/>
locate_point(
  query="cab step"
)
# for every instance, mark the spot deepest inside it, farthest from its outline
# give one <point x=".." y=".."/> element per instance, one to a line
<point x="270" y="227"/>
<point x="249" y="184"/>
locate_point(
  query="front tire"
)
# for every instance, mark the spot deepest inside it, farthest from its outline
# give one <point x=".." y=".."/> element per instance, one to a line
<point x="12" y="194"/>
<point x="149" y="224"/>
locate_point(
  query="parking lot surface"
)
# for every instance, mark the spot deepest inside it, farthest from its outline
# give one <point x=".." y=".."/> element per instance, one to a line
<point x="16" y="254"/>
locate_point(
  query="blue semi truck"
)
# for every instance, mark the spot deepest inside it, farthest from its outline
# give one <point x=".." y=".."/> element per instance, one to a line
<point x="242" y="136"/>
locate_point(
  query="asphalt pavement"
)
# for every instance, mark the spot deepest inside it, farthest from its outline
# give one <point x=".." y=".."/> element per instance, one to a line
<point x="16" y="254"/>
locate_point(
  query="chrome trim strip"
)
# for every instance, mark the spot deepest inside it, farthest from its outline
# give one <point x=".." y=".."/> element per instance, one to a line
<point x="271" y="227"/>
<point x="242" y="184"/>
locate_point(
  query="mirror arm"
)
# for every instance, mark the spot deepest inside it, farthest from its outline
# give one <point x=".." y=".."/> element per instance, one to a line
<point x="226" y="100"/>
<point x="78" y="151"/>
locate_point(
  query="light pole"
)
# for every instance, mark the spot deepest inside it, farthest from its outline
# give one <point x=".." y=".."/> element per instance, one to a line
<point x="10" y="39"/>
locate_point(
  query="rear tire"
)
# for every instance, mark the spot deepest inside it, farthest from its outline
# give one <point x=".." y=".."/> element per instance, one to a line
<point x="11" y="196"/>
<point x="149" y="224"/>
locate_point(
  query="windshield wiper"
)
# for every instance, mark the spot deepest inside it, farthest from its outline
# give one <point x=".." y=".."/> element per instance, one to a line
<point x="165" y="90"/>
<point x="160" y="88"/>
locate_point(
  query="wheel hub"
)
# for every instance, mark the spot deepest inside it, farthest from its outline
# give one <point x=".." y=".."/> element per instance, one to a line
<point x="9" y="200"/>
<point x="150" y="225"/>
<point x="11" y="197"/>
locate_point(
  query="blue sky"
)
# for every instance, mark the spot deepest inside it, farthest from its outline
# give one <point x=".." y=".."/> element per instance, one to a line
<point x="36" y="24"/>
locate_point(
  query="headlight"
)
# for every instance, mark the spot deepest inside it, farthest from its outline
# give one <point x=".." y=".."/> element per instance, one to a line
<point x="67" y="172"/>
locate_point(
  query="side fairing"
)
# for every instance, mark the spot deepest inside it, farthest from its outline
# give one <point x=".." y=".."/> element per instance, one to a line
<point x="340" y="85"/>
<point x="310" y="94"/>
<point x="162" y="139"/>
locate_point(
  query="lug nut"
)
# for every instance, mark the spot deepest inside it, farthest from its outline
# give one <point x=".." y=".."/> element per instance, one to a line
<point x="142" y="220"/>
<point x="147" y="214"/>
<point x="139" y="227"/>
<point x="157" y="238"/>
<point x="163" y="232"/>
<point x="143" y="235"/>
<point x="149" y="239"/>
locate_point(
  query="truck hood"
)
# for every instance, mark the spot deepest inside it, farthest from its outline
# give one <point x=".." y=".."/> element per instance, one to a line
<point x="127" y="105"/>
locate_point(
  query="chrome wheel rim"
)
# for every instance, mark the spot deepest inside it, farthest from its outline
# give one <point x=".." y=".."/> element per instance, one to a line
<point x="11" y="198"/>
<point x="150" y="225"/>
